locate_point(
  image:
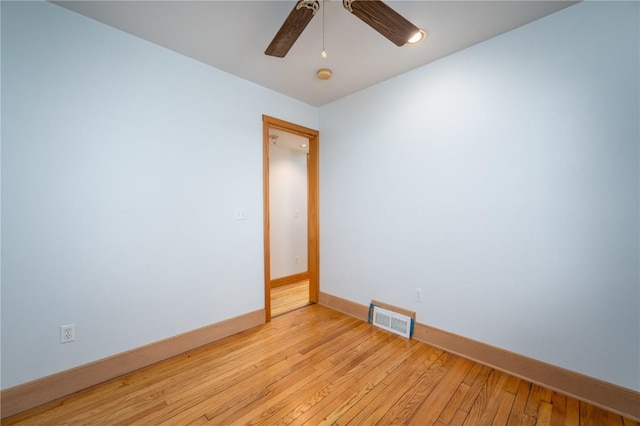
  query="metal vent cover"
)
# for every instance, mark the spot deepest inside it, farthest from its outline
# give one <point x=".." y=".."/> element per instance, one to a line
<point x="392" y="321"/>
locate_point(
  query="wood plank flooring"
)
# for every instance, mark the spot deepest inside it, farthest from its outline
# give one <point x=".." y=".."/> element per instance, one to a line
<point x="315" y="366"/>
<point x="289" y="297"/>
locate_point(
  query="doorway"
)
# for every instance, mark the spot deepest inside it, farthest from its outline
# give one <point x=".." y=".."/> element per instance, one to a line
<point x="273" y="272"/>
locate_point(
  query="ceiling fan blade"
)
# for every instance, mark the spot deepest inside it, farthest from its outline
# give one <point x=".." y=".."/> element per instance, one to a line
<point x="292" y="27"/>
<point x="383" y="19"/>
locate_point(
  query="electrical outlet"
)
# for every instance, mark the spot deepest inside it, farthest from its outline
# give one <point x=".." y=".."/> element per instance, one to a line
<point x="418" y="294"/>
<point x="67" y="333"/>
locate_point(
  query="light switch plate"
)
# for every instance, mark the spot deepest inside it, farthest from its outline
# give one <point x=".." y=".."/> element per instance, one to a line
<point x="241" y="214"/>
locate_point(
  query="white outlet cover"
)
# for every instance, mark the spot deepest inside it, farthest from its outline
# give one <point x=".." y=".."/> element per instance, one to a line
<point x="67" y="333"/>
<point x="419" y="294"/>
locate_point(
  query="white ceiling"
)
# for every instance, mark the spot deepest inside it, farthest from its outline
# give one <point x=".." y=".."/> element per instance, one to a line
<point x="232" y="36"/>
<point x="289" y="141"/>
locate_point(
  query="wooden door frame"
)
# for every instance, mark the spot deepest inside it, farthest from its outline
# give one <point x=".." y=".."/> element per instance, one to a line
<point x="313" y="211"/>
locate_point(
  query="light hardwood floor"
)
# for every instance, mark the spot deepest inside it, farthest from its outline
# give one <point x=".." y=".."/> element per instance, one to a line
<point x="289" y="297"/>
<point x="316" y="366"/>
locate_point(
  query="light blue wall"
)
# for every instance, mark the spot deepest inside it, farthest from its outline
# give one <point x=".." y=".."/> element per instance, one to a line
<point x="122" y="166"/>
<point x="504" y="181"/>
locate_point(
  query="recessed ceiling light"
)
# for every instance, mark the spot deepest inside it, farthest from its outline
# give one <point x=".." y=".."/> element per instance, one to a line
<point x="417" y="38"/>
<point x="303" y="145"/>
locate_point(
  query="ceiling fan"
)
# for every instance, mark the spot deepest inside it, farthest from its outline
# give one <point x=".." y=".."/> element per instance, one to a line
<point x="374" y="13"/>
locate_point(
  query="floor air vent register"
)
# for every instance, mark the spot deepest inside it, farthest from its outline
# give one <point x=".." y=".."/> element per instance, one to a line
<point x="391" y="318"/>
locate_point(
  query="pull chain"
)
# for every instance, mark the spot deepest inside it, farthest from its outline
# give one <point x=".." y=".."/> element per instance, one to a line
<point x="324" y="52"/>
